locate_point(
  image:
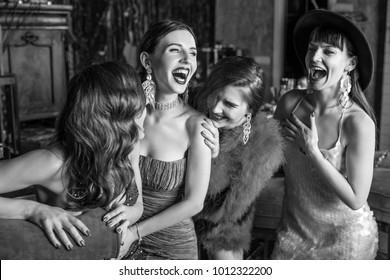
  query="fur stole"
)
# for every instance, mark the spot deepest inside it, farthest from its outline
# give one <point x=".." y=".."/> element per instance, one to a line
<point x="241" y="171"/>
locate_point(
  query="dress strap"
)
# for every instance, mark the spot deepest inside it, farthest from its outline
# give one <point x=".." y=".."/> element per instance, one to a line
<point x="340" y="126"/>
<point x="298" y="103"/>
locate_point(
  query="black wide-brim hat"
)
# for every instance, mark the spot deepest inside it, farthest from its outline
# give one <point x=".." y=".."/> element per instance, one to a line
<point x="349" y="26"/>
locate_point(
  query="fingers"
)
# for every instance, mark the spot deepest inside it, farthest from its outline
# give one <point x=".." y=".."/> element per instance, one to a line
<point x="115" y="216"/>
<point x="52" y="237"/>
<point x="76" y="235"/>
<point x="78" y="223"/>
<point x="211" y="137"/>
<point x="209" y="126"/>
<point x="63" y="237"/>
<point x="313" y="123"/>
<point x="207" y="135"/>
<point x="298" y="123"/>
<point x="123" y="226"/>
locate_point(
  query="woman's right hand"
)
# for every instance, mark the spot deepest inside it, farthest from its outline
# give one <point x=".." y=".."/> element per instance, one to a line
<point x="126" y="238"/>
<point x="211" y="137"/>
<point x="58" y="223"/>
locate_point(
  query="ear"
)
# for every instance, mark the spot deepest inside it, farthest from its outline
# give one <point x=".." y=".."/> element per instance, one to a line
<point x="352" y="63"/>
<point x="145" y="60"/>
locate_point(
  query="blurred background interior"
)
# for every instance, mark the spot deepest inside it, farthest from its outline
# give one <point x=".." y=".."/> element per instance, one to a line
<point x="43" y="43"/>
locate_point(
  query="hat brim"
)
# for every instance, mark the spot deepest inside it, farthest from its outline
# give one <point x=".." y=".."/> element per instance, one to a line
<point x="350" y="27"/>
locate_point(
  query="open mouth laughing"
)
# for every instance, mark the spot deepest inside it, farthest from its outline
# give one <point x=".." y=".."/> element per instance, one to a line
<point x="180" y="75"/>
<point x="317" y="73"/>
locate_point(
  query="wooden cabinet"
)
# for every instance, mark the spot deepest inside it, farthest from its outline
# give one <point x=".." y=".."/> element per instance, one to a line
<point x="37" y="51"/>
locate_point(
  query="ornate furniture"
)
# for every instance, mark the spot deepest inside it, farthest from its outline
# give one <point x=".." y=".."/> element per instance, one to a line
<point x="37" y="51"/>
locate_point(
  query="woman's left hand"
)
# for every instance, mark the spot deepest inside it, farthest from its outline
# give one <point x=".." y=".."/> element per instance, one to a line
<point x="306" y="137"/>
<point x="211" y="137"/>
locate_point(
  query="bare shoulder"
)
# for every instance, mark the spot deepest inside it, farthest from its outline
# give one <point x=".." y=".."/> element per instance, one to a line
<point x="49" y="159"/>
<point x="357" y="122"/>
<point x="194" y="120"/>
<point x="287" y="103"/>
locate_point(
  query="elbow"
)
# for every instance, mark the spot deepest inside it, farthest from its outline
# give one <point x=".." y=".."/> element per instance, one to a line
<point x="197" y="207"/>
<point x="356" y="204"/>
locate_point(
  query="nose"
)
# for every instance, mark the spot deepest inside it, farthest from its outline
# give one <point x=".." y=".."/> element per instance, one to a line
<point x="185" y="57"/>
<point x="218" y="108"/>
<point x="317" y="55"/>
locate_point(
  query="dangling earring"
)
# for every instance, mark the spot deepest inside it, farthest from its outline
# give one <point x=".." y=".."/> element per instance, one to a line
<point x="344" y="101"/>
<point x="149" y="88"/>
<point x="247" y="128"/>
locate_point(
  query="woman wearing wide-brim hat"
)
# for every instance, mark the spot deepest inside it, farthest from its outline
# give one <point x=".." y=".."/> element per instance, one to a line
<point x="329" y="156"/>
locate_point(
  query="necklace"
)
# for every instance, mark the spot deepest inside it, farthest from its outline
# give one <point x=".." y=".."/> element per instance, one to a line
<point x="167" y="106"/>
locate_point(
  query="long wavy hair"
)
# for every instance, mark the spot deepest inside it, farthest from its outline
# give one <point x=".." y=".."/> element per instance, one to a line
<point x="97" y="132"/>
<point x="337" y="38"/>
<point x="237" y="71"/>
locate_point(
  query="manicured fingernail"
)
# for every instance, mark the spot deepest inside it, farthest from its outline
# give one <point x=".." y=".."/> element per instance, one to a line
<point x="82" y="243"/>
<point x="109" y="224"/>
<point x="69" y="247"/>
<point x="87" y="232"/>
<point x="105" y="219"/>
<point x="57" y="246"/>
<point x="119" y="230"/>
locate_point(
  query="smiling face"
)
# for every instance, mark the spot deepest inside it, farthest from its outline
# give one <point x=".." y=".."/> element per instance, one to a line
<point x="228" y="107"/>
<point x="174" y="61"/>
<point x="326" y="63"/>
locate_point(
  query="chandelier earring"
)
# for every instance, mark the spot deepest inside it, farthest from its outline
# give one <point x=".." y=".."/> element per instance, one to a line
<point x="149" y="88"/>
<point x="344" y="100"/>
<point x="247" y="128"/>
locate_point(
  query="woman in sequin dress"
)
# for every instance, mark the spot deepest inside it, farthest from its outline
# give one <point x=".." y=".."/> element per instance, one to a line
<point x="330" y="152"/>
<point x="91" y="163"/>
<point x="174" y="162"/>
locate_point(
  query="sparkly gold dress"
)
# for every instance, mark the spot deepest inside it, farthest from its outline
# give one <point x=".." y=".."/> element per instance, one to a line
<point x="316" y="224"/>
<point x="163" y="186"/>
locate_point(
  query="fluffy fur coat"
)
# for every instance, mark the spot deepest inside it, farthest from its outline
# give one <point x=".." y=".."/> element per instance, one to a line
<point x="238" y="175"/>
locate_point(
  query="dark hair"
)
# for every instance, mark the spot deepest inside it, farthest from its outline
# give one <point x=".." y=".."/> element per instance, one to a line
<point x="97" y="131"/>
<point x="336" y="38"/>
<point x="237" y="71"/>
<point x="155" y="33"/>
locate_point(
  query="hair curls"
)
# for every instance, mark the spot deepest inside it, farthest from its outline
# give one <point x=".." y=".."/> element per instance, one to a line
<point x="97" y="131"/>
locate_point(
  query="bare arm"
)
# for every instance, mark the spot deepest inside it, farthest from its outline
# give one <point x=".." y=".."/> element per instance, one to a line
<point x="354" y="189"/>
<point x="39" y="167"/>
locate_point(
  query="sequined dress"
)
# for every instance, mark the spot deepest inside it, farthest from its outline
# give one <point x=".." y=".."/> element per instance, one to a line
<point x="316" y="224"/>
<point x="163" y="186"/>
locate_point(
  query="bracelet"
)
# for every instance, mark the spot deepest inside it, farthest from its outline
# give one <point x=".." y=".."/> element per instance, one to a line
<point x="138" y="234"/>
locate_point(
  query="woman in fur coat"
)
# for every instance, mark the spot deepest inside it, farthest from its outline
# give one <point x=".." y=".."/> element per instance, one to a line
<point x="251" y="151"/>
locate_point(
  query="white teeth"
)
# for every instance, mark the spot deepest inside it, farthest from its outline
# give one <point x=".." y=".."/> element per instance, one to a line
<point x="181" y="71"/>
<point x="217" y="117"/>
<point x="317" y="68"/>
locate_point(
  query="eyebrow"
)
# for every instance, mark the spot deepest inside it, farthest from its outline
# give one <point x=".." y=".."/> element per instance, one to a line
<point x="231" y="103"/>
<point x="180" y="45"/>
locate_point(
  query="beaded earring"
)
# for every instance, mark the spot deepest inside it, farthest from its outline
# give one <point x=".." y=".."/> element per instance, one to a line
<point x="247" y="128"/>
<point x="149" y="88"/>
<point x="344" y="100"/>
